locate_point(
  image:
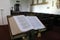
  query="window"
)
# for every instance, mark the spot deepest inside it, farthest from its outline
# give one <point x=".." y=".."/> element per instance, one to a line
<point x="58" y="4"/>
<point x="38" y="2"/>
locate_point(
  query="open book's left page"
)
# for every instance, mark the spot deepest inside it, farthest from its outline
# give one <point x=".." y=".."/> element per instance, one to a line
<point x="13" y="26"/>
<point x="23" y="23"/>
<point x="19" y="24"/>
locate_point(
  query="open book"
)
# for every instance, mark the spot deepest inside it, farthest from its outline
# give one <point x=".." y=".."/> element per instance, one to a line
<point x="21" y="23"/>
<point x="35" y="22"/>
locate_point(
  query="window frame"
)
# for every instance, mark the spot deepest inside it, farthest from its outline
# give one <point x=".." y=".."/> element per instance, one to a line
<point x="38" y="3"/>
<point x="58" y="4"/>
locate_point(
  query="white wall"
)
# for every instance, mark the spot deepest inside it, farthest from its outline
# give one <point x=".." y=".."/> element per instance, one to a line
<point x="24" y="5"/>
<point x="46" y="8"/>
<point x="12" y="2"/>
<point x="1" y="21"/>
<point x="5" y="7"/>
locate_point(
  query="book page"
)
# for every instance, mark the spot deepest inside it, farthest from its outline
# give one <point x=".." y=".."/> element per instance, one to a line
<point x="35" y="22"/>
<point x="13" y="26"/>
<point x="23" y="23"/>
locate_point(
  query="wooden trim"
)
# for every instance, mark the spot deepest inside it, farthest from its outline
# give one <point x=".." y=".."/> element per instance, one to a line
<point x="52" y="3"/>
<point x="32" y="2"/>
<point x="11" y="36"/>
<point x="39" y="4"/>
<point x="37" y="1"/>
<point x="30" y="8"/>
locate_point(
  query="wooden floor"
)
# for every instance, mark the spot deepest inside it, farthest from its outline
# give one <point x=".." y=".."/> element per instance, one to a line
<point x="4" y="33"/>
<point x="53" y="34"/>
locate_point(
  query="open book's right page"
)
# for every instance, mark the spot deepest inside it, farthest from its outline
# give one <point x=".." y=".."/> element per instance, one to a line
<point x="35" y="22"/>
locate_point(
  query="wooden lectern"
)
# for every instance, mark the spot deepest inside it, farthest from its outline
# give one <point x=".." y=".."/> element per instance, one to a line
<point x="16" y="34"/>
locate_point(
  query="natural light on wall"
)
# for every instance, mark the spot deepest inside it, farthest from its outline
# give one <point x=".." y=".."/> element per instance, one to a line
<point x="49" y="7"/>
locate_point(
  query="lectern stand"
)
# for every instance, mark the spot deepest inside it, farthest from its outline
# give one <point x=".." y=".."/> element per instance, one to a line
<point x="29" y="35"/>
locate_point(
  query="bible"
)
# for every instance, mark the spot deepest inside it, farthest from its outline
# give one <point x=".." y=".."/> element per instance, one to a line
<point x="21" y="24"/>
